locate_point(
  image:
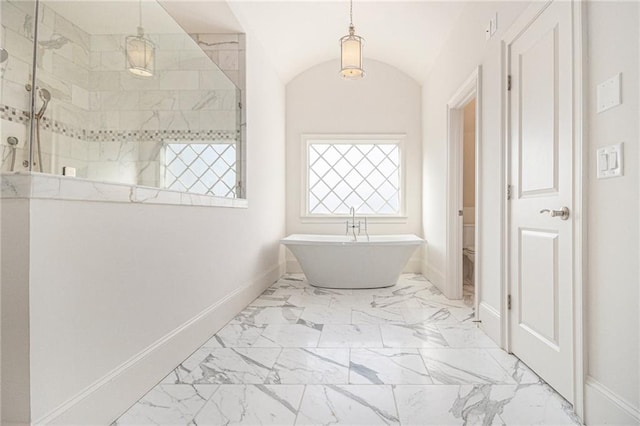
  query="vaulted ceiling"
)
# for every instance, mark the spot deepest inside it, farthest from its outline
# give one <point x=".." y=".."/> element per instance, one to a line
<point x="296" y="34"/>
<point x="300" y="34"/>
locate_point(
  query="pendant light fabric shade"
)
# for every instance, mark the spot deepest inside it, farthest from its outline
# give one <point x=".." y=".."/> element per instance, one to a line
<point x="140" y="52"/>
<point x="351" y="55"/>
<point x="351" y="51"/>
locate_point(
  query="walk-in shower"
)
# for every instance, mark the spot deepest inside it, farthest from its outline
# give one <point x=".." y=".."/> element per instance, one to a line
<point x="180" y="129"/>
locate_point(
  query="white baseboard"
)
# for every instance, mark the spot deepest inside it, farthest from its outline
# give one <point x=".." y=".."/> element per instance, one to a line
<point x="491" y="323"/>
<point x="110" y="396"/>
<point x="605" y="407"/>
<point x="433" y="274"/>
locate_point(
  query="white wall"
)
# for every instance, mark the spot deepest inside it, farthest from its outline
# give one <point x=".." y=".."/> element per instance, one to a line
<point x="611" y="293"/>
<point x="462" y="53"/>
<point x="109" y="280"/>
<point x="613" y="333"/>
<point x="385" y="101"/>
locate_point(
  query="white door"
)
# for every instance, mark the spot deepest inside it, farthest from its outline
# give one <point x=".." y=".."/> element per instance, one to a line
<point x="541" y="175"/>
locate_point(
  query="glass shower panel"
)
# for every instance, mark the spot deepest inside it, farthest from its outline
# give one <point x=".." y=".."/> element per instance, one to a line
<point x="113" y="125"/>
<point x="16" y="64"/>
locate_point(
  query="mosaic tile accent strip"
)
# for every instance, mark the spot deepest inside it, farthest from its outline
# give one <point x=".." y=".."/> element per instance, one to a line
<point x="158" y="135"/>
<point x="13" y="114"/>
<point x="19" y="116"/>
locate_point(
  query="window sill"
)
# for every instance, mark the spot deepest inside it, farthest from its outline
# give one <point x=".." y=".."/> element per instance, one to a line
<point x="34" y="185"/>
<point x="342" y="219"/>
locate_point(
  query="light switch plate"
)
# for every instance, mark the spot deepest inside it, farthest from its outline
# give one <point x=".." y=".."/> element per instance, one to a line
<point x="608" y="93"/>
<point x="610" y="161"/>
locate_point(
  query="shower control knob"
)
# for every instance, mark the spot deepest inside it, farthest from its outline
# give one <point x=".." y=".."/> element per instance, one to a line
<point x="25" y="163"/>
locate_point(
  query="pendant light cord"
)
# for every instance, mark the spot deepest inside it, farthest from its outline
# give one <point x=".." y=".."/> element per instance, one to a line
<point x="351" y="13"/>
<point x="140" y="13"/>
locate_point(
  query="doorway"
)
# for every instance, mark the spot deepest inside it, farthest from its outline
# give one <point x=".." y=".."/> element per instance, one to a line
<point x="469" y="248"/>
<point x="463" y="192"/>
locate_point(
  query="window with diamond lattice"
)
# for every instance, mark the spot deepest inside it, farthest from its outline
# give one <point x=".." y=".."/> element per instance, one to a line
<point x="201" y="168"/>
<point x="364" y="174"/>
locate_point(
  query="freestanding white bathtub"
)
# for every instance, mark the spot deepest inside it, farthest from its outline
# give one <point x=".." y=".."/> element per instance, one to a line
<point x="335" y="261"/>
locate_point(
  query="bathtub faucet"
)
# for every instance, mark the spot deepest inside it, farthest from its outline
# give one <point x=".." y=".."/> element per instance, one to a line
<point x="353" y="225"/>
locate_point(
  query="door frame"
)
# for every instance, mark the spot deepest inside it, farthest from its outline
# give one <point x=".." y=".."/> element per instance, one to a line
<point x="580" y="175"/>
<point x="471" y="88"/>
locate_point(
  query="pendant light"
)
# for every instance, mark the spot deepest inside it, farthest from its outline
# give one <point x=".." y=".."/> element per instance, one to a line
<point x="351" y="51"/>
<point x="140" y="51"/>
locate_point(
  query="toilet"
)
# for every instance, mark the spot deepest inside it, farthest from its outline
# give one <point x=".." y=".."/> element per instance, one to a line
<point x="468" y="253"/>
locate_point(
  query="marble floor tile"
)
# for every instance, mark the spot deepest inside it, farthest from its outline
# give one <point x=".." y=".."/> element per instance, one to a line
<point x="428" y="299"/>
<point x="405" y="301"/>
<point x="350" y="336"/>
<point x="463" y="315"/>
<point x="291" y="281"/>
<point x="429" y="315"/>
<point x="299" y="354"/>
<point x="308" y="300"/>
<point x="320" y="291"/>
<point x="387" y="366"/>
<point x="422" y="405"/>
<point x="465" y="336"/>
<point x="516" y="369"/>
<point x="347" y="405"/>
<point x="353" y="301"/>
<point x="259" y="315"/>
<point x="301" y="335"/>
<point x="168" y="404"/>
<point x="537" y="405"/>
<point x="227" y="366"/>
<point x="464" y="366"/>
<point x="238" y="335"/>
<point x="412" y="336"/>
<point x="311" y="366"/>
<point x="325" y="315"/>
<point x="289" y="291"/>
<point x="376" y="316"/>
<point x="252" y="405"/>
<point x="271" y="300"/>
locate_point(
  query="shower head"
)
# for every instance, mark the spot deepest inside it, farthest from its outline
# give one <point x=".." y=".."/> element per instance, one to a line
<point x="45" y="95"/>
<point x="4" y="55"/>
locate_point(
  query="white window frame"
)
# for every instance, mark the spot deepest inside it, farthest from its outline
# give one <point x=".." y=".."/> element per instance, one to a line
<point x="352" y="139"/>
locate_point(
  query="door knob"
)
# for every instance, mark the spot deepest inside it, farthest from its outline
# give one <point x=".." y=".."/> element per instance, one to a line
<point x="563" y="212"/>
